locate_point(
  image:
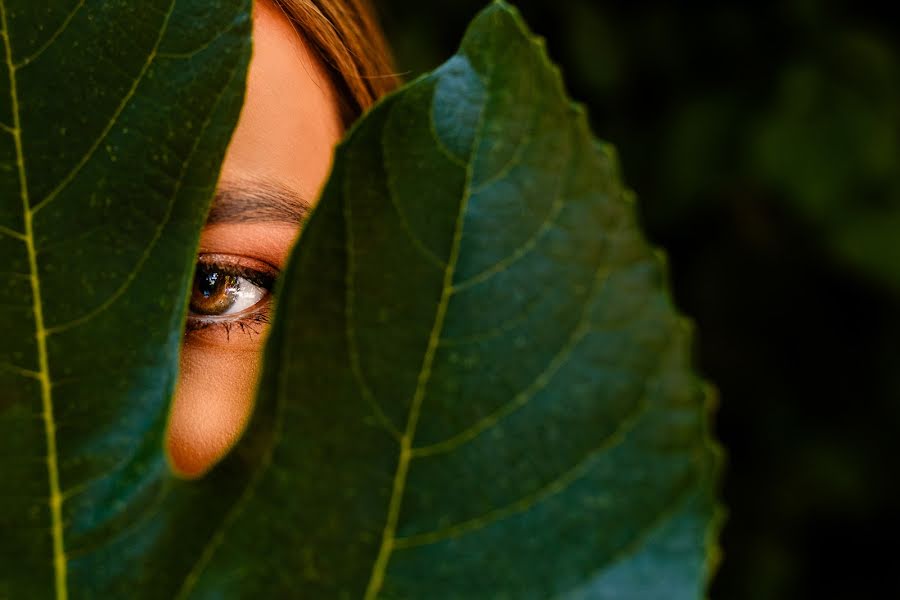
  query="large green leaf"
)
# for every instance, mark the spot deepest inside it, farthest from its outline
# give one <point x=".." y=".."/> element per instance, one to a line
<point x="476" y="381"/>
<point x="114" y="117"/>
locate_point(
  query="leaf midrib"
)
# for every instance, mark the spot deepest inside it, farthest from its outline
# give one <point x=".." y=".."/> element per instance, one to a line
<point x="43" y="374"/>
<point x="56" y="497"/>
<point x="388" y="539"/>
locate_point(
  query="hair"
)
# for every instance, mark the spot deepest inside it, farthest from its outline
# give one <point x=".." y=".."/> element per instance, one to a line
<point x="348" y="39"/>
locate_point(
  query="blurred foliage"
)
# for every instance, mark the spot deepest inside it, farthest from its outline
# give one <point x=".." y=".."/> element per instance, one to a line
<point x="763" y="140"/>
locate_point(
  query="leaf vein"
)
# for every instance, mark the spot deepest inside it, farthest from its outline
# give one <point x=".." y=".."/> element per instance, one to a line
<point x="54" y="193"/>
<point x="13" y="233"/>
<point x="157" y="234"/>
<point x="441" y="146"/>
<point x="60" y="582"/>
<point x="152" y="509"/>
<point x="523" y="250"/>
<point x="514" y="159"/>
<point x="502" y="328"/>
<point x="551" y="489"/>
<point x="195" y="51"/>
<point x="407" y="229"/>
<point x="350" y="321"/>
<point x="29" y="373"/>
<point x="517" y="254"/>
<point x="53" y="37"/>
<point x="523" y="397"/>
<point x="640" y="538"/>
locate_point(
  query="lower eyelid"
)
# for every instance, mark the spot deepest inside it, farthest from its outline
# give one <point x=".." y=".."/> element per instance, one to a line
<point x="251" y="322"/>
<point x="251" y="313"/>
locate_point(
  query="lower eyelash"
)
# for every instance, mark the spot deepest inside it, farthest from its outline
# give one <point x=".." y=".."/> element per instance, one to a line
<point x="246" y="324"/>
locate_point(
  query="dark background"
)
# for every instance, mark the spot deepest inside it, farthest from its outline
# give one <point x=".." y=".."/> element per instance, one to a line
<point x="763" y="140"/>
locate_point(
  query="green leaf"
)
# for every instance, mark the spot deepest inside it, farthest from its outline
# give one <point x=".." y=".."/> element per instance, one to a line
<point x="114" y="117"/>
<point x="845" y="97"/>
<point x="476" y="383"/>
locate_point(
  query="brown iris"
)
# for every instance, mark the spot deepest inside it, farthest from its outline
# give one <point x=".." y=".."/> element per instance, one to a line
<point x="214" y="292"/>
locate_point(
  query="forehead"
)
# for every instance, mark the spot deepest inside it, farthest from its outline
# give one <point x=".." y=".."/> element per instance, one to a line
<point x="289" y="123"/>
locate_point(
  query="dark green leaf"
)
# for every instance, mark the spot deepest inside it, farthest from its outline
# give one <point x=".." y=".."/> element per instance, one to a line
<point x="849" y="98"/>
<point x="114" y="117"/>
<point x="476" y="382"/>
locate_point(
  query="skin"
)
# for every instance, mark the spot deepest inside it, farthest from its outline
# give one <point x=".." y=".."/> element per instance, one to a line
<point x="288" y="128"/>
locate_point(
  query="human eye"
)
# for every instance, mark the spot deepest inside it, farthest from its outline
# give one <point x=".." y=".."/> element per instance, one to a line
<point x="230" y="292"/>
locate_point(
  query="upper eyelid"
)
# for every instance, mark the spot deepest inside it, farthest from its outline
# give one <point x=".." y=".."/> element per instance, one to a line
<point x="264" y="278"/>
<point x="228" y="258"/>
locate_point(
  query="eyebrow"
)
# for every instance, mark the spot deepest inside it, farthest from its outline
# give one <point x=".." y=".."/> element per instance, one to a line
<point x="258" y="202"/>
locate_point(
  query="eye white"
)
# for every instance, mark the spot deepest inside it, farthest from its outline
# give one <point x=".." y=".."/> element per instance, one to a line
<point x="245" y="295"/>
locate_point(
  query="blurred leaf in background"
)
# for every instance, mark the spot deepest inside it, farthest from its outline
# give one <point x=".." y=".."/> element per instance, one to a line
<point x="829" y="143"/>
<point x="762" y="141"/>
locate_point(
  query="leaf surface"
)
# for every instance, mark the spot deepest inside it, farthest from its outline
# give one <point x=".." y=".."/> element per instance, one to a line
<point x="114" y="117"/>
<point x="476" y="381"/>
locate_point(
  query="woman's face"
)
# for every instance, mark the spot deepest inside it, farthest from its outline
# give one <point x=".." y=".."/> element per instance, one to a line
<point x="276" y="164"/>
